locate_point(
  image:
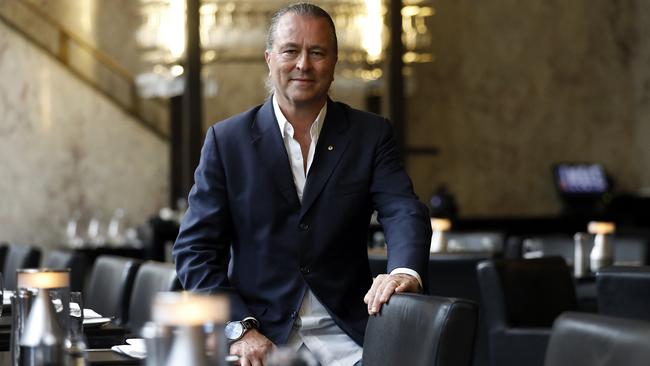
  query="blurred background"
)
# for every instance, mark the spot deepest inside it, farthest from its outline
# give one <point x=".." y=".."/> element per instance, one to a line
<point x="487" y="98"/>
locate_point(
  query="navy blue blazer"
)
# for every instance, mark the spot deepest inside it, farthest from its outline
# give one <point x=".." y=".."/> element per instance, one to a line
<point x="246" y="231"/>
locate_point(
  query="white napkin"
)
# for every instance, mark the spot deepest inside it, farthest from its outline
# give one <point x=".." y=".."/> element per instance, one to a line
<point x="6" y="297"/>
<point x="135" y="348"/>
<point x="90" y="314"/>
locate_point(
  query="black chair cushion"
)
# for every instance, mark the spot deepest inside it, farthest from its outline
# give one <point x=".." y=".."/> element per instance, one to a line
<point x="4" y="247"/>
<point x="582" y="339"/>
<point x="18" y="257"/>
<point x="152" y="277"/>
<point x="109" y="289"/>
<point x="60" y="259"/>
<point x="536" y="291"/>
<point x="624" y="291"/>
<point x="414" y="329"/>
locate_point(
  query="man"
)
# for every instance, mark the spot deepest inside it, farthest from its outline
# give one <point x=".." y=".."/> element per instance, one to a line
<point x="282" y="199"/>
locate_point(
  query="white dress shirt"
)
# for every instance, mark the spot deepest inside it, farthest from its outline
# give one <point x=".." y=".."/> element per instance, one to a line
<point x="314" y="328"/>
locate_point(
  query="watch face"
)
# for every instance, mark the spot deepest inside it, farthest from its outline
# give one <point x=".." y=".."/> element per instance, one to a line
<point x="234" y="330"/>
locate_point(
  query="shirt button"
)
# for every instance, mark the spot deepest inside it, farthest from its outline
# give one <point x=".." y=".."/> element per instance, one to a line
<point x="303" y="227"/>
<point x="304" y="270"/>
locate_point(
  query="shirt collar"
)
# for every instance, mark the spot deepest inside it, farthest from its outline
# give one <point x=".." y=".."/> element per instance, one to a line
<point x="284" y="124"/>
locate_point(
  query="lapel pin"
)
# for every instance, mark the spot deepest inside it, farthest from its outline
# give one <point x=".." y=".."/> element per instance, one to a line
<point x="330" y="148"/>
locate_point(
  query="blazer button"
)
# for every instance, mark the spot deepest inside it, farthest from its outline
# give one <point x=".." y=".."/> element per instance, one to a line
<point x="304" y="270"/>
<point x="303" y="227"/>
<point x="294" y="314"/>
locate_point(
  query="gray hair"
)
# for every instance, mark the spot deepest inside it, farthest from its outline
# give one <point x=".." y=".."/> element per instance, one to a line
<point x="302" y="9"/>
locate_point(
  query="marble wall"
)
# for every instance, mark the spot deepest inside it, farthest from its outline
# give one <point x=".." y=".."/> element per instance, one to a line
<point x="517" y="86"/>
<point x="65" y="148"/>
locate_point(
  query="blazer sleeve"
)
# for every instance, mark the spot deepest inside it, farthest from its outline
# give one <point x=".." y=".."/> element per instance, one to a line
<point x="202" y="249"/>
<point x="404" y="218"/>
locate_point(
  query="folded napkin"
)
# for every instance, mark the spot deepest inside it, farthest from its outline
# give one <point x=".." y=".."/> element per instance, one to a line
<point x="90" y="314"/>
<point x="135" y="348"/>
<point x="6" y="297"/>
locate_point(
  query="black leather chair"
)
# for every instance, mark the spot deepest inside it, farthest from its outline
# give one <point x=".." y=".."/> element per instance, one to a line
<point x="19" y="256"/>
<point x="421" y="330"/>
<point x="452" y="275"/>
<point x="581" y="339"/>
<point x="109" y="288"/>
<point x="521" y="299"/>
<point x="152" y="277"/>
<point x="624" y="292"/>
<point x="3" y="254"/>
<point x="78" y="264"/>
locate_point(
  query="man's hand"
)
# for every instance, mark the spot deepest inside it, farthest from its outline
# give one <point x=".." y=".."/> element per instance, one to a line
<point x="384" y="286"/>
<point x="252" y="348"/>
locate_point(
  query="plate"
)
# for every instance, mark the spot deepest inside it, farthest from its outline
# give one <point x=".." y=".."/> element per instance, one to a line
<point x="96" y="322"/>
<point x="138" y="343"/>
<point x="130" y="351"/>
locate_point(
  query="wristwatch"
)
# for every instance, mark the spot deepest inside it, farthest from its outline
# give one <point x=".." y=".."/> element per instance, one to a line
<point x="236" y="329"/>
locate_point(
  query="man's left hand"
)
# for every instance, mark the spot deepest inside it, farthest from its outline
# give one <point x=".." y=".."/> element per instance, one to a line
<point x="384" y="286"/>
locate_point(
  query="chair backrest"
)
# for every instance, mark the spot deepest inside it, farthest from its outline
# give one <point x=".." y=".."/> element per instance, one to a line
<point x="584" y="339"/>
<point x="454" y="275"/>
<point x="526" y="292"/>
<point x="19" y="256"/>
<point x="58" y="259"/>
<point x="4" y="247"/>
<point x="109" y="288"/>
<point x="624" y="292"/>
<point x="152" y="277"/>
<point x="414" y="329"/>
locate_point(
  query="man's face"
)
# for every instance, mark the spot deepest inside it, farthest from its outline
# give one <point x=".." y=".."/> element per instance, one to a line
<point x="302" y="60"/>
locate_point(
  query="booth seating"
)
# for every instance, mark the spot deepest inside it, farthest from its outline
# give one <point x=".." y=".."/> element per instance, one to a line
<point x="624" y="292"/>
<point x="582" y="339"/>
<point x="19" y="256"/>
<point x="521" y="299"/>
<point x="109" y="288"/>
<point x="151" y="278"/>
<point x="413" y="329"/>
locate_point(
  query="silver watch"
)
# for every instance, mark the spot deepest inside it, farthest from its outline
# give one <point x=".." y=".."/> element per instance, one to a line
<point x="234" y="330"/>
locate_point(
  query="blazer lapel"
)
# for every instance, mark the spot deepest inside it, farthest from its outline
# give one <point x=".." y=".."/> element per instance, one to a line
<point x="332" y="142"/>
<point x="267" y="140"/>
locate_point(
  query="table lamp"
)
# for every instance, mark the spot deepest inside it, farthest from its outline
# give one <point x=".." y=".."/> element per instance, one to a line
<point x="602" y="253"/>
<point x="438" y="238"/>
<point x="190" y="313"/>
<point x="40" y="329"/>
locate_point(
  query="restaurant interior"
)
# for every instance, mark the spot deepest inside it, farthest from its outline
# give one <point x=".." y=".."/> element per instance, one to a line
<point x="523" y="126"/>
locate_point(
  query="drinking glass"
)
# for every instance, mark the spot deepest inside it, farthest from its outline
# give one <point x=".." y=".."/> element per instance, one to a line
<point x="76" y="345"/>
<point x="2" y="293"/>
<point x="76" y="314"/>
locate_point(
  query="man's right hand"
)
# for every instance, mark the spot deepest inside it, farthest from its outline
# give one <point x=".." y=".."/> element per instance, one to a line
<point x="252" y="348"/>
